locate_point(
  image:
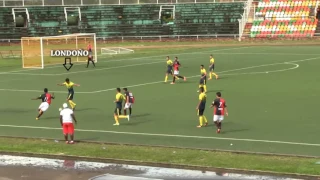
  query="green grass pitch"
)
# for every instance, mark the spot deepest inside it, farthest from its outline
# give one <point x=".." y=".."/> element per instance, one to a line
<point x="272" y="94"/>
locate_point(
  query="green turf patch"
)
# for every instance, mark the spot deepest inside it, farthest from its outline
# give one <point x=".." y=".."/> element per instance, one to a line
<point x="166" y="155"/>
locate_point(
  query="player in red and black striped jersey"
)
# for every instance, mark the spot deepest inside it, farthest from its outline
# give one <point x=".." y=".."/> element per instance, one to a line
<point x="176" y="75"/>
<point x="46" y="101"/>
<point x="129" y="101"/>
<point x="220" y="108"/>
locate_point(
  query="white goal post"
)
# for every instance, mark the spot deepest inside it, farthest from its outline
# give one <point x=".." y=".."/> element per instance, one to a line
<point x="115" y="50"/>
<point x="38" y="52"/>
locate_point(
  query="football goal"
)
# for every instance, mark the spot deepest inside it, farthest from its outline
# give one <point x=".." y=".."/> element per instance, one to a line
<point x="38" y="52"/>
<point x="115" y="50"/>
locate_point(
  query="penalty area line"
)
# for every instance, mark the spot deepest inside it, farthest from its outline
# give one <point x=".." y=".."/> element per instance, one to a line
<point x="168" y="135"/>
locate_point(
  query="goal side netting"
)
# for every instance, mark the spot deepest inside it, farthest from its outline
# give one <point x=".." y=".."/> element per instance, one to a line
<point x="38" y="52"/>
<point x="115" y="50"/>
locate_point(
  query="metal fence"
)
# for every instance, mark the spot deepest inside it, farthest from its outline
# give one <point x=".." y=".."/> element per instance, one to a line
<point x="26" y="3"/>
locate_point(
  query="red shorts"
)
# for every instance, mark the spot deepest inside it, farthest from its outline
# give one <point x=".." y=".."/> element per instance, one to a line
<point x="68" y="128"/>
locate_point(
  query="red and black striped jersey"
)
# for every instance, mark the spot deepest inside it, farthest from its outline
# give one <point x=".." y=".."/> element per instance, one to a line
<point x="219" y="106"/>
<point x="46" y="98"/>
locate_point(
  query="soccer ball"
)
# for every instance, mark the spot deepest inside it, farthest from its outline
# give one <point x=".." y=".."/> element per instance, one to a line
<point x="60" y="109"/>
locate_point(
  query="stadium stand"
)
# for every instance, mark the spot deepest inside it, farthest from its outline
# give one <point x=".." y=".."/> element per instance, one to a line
<point x="284" y="18"/>
<point x="124" y="20"/>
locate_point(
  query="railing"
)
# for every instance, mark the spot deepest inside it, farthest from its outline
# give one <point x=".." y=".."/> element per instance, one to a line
<point x="25" y="3"/>
<point x="244" y="17"/>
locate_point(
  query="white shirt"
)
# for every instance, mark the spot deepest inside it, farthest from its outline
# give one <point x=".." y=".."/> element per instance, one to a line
<point x="66" y="115"/>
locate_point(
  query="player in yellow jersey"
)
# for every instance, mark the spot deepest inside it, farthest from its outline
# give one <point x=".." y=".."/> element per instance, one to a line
<point x="117" y="112"/>
<point x="203" y="78"/>
<point x="201" y="107"/>
<point x="211" y="68"/>
<point x="169" y="68"/>
<point x="69" y="86"/>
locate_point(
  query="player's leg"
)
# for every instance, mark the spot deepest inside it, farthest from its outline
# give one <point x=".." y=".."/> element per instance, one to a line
<point x="126" y="106"/>
<point x="116" y="118"/>
<point x="173" y="80"/>
<point x="212" y="72"/>
<point x="220" y="123"/>
<point x="88" y="61"/>
<point x="124" y="116"/>
<point x="205" y="85"/>
<point x="70" y="100"/>
<point x="42" y="108"/>
<point x="166" y="77"/>
<point x="200" y="114"/>
<point x="71" y="132"/>
<point x="94" y="64"/>
<point x="65" y="132"/>
<point x="130" y="110"/>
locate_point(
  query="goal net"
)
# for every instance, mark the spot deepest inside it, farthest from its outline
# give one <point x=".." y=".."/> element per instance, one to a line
<point x="38" y="52"/>
<point x="115" y="50"/>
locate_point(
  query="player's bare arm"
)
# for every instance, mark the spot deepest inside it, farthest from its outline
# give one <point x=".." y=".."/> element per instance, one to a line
<point x="36" y="98"/>
<point x="61" y="120"/>
<point x="52" y="95"/>
<point x="61" y="84"/>
<point x="226" y="110"/>
<point x="198" y="105"/>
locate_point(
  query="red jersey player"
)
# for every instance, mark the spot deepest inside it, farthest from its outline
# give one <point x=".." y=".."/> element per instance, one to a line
<point x="176" y="65"/>
<point x="46" y="101"/>
<point x="220" y="108"/>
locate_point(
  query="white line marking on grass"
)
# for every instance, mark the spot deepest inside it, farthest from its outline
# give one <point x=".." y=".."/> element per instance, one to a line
<point x="253" y="53"/>
<point x="167" y="135"/>
<point x="157" y="82"/>
<point x="97" y="69"/>
<point x="116" y="60"/>
<point x="264" y="72"/>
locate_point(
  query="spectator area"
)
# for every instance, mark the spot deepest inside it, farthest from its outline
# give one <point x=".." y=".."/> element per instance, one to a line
<point x="284" y="19"/>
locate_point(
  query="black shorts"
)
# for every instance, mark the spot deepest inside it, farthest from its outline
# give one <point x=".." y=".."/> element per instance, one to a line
<point x="211" y="68"/>
<point x="203" y="81"/>
<point x="169" y="71"/>
<point x="200" y="112"/>
<point x="70" y="96"/>
<point x="117" y="111"/>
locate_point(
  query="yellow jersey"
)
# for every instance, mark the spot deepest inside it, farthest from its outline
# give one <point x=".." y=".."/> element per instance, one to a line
<point x="69" y="86"/>
<point x="203" y="72"/>
<point x="169" y="63"/>
<point x="203" y="99"/>
<point x="119" y="99"/>
<point x="211" y="61"/>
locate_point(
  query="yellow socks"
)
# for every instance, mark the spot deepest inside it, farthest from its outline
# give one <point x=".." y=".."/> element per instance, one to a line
<point x="200" y="120"/>
<point x="166" y="79"/>
<point x="213" y="74"/>
<point x="72" y="104"/>
<point x="205" y="119"/>
<point x="205" y="88"/>
<point x="122" y="116"/>
<point x="116" y="119"/>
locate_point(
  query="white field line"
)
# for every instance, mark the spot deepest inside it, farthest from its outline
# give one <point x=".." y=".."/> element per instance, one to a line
<point x="167" y="135"/>
<point x="119" y="60"/>
<point x="253" y="53"/>
<point x="189" y="77"/>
